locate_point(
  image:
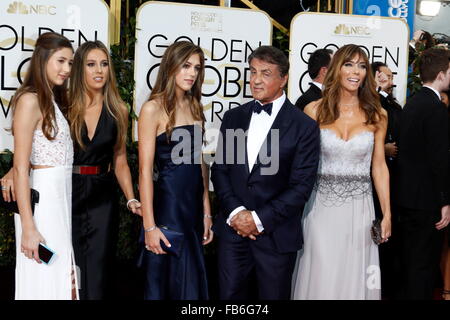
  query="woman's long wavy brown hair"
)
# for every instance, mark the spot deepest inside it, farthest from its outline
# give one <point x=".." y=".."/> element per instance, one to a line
<point x="80" y="97"/>
<point x="172" y="61"/>
<point x="36" y="81"/>
<point x="369" y="101"/>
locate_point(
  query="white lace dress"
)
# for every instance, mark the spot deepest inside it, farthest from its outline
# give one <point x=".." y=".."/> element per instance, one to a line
<point x="339" y="260"/>
<point x="52" y="217"/>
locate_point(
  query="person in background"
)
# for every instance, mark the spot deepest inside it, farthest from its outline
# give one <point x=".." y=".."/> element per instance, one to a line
<point x="421" y="185"/>
<point x="420" y="41"/>
<point x="318" y="64"/>
<point x="384" y="84"/>
<point x="445" y="98"/>
<point x="445" y="257"/>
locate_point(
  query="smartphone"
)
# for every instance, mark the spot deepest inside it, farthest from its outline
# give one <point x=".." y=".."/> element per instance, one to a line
<point x="45" y="254"/>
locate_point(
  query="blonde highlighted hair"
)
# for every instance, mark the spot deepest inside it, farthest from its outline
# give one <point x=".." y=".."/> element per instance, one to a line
<point x="369" y="101"/>
<point x="80" y="97"/>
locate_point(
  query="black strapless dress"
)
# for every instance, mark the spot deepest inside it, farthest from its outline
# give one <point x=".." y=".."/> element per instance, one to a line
<point x="95" y="211"/>
<point x="178" y="204"/>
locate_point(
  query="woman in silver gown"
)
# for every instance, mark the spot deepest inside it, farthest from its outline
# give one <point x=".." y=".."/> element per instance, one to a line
<point x="339" y="259"/>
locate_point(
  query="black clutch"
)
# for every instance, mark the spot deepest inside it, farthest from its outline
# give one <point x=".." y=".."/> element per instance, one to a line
<point x="176" y="240"/>
<point x="12" y="206"/>
<point x="375" y="231"/>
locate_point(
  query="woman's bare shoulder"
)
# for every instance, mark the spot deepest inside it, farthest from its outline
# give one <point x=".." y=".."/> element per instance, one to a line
<point x="151" y="108"/>
<point x="28" y="101"/>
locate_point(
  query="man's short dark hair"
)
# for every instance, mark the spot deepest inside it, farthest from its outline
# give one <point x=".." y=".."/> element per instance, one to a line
<point x="375" y="66"/>
<point x="271" y="55"/>
<point x="318" y="59"/>
<point x="431" y="62"/>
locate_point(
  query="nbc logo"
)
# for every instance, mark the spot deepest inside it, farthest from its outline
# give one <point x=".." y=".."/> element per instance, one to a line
<point x="352" y="30"/>
<point x="20" y="8"/>
<point x="17" y="7"/>
<point x="342" y="29"/>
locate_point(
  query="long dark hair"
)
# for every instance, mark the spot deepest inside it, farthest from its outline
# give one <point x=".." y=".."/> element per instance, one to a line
<point x="36" y="81"/>
<point x="172" y="61"/>
<point x="369" y="101"/>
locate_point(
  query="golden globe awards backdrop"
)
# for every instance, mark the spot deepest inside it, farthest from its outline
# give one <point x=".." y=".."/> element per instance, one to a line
<point x="227" y="36"/>
<point x="383" y="39"/>
<point x="21" y="23"/>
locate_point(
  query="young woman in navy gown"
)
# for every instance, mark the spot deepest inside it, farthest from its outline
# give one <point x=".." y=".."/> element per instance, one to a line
<point x="170" y="140"/>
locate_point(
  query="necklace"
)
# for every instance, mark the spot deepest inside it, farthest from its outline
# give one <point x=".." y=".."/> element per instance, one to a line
<point x="347" y="110"/>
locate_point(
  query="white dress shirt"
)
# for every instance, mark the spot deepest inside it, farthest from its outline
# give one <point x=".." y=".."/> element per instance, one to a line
<point x="258" y="129"/>
<point x="383" y="93"/>
<point x="318" y="84"/>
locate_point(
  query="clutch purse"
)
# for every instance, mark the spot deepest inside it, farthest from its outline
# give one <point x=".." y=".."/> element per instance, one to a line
<point x="12" y="206"/>
<point x="176" y="240"/>
<point x="375" y="231"/>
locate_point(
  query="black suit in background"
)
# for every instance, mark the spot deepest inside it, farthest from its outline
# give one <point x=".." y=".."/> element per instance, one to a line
<point x="420" y="191"/>
<point x="312" y="94"/>
<point x="388" y="261"/>
<point x="394" y="112"/>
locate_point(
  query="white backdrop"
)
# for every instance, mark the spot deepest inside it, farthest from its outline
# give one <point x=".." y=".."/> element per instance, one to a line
<point x="227" y="37"/>
<point x="383" y="39"/>
<point x="21" y="23"/>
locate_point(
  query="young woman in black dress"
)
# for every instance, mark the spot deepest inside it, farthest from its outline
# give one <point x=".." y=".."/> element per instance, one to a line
<point x="170" y="139"/>
<point x="98" y="121"/>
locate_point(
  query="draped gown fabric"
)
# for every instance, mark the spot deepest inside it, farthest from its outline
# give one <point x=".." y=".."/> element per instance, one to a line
<point x="95" y="210"/>
<point x="178" y="205"/>
<point x="339" y="260"/>
<point x="52" y="217"/>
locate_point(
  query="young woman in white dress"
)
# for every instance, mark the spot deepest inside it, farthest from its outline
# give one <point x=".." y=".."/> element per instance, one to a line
<point x="339" y="259"/>
<point x="43" y="144"/>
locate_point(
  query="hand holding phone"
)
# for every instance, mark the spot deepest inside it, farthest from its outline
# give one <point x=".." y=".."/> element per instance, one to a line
<point x="45" y="253"/>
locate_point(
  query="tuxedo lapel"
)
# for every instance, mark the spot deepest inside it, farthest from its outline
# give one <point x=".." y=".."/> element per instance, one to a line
<point x="244" y="124"/>
<point x="316" y="91"/>
<point x="281" y="121"/>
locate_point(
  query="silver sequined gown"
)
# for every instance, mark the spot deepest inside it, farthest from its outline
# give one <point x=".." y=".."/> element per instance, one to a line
<point x="339" y="259"/>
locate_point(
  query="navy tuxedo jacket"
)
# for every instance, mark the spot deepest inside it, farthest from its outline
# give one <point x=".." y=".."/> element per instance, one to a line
<point x="279" y="198"/>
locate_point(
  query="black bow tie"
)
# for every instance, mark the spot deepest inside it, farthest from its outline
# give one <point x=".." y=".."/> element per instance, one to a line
<point x="257" y="107"/>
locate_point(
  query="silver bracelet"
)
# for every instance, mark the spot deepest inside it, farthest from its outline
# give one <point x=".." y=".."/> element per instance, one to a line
<point x="130" y="201"/>
<point x="150" y="229"/>
<point x="207" y="216"/>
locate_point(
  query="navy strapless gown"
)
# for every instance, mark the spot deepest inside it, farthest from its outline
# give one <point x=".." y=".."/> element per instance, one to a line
<point x="178" y="205"/>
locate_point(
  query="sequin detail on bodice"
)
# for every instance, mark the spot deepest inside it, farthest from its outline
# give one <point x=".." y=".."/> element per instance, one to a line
<point x="56" y="152"/>
<point x="344" y="166"/>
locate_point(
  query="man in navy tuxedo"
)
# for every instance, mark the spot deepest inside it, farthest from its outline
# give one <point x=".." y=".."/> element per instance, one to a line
<point x="265" y="168"/>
